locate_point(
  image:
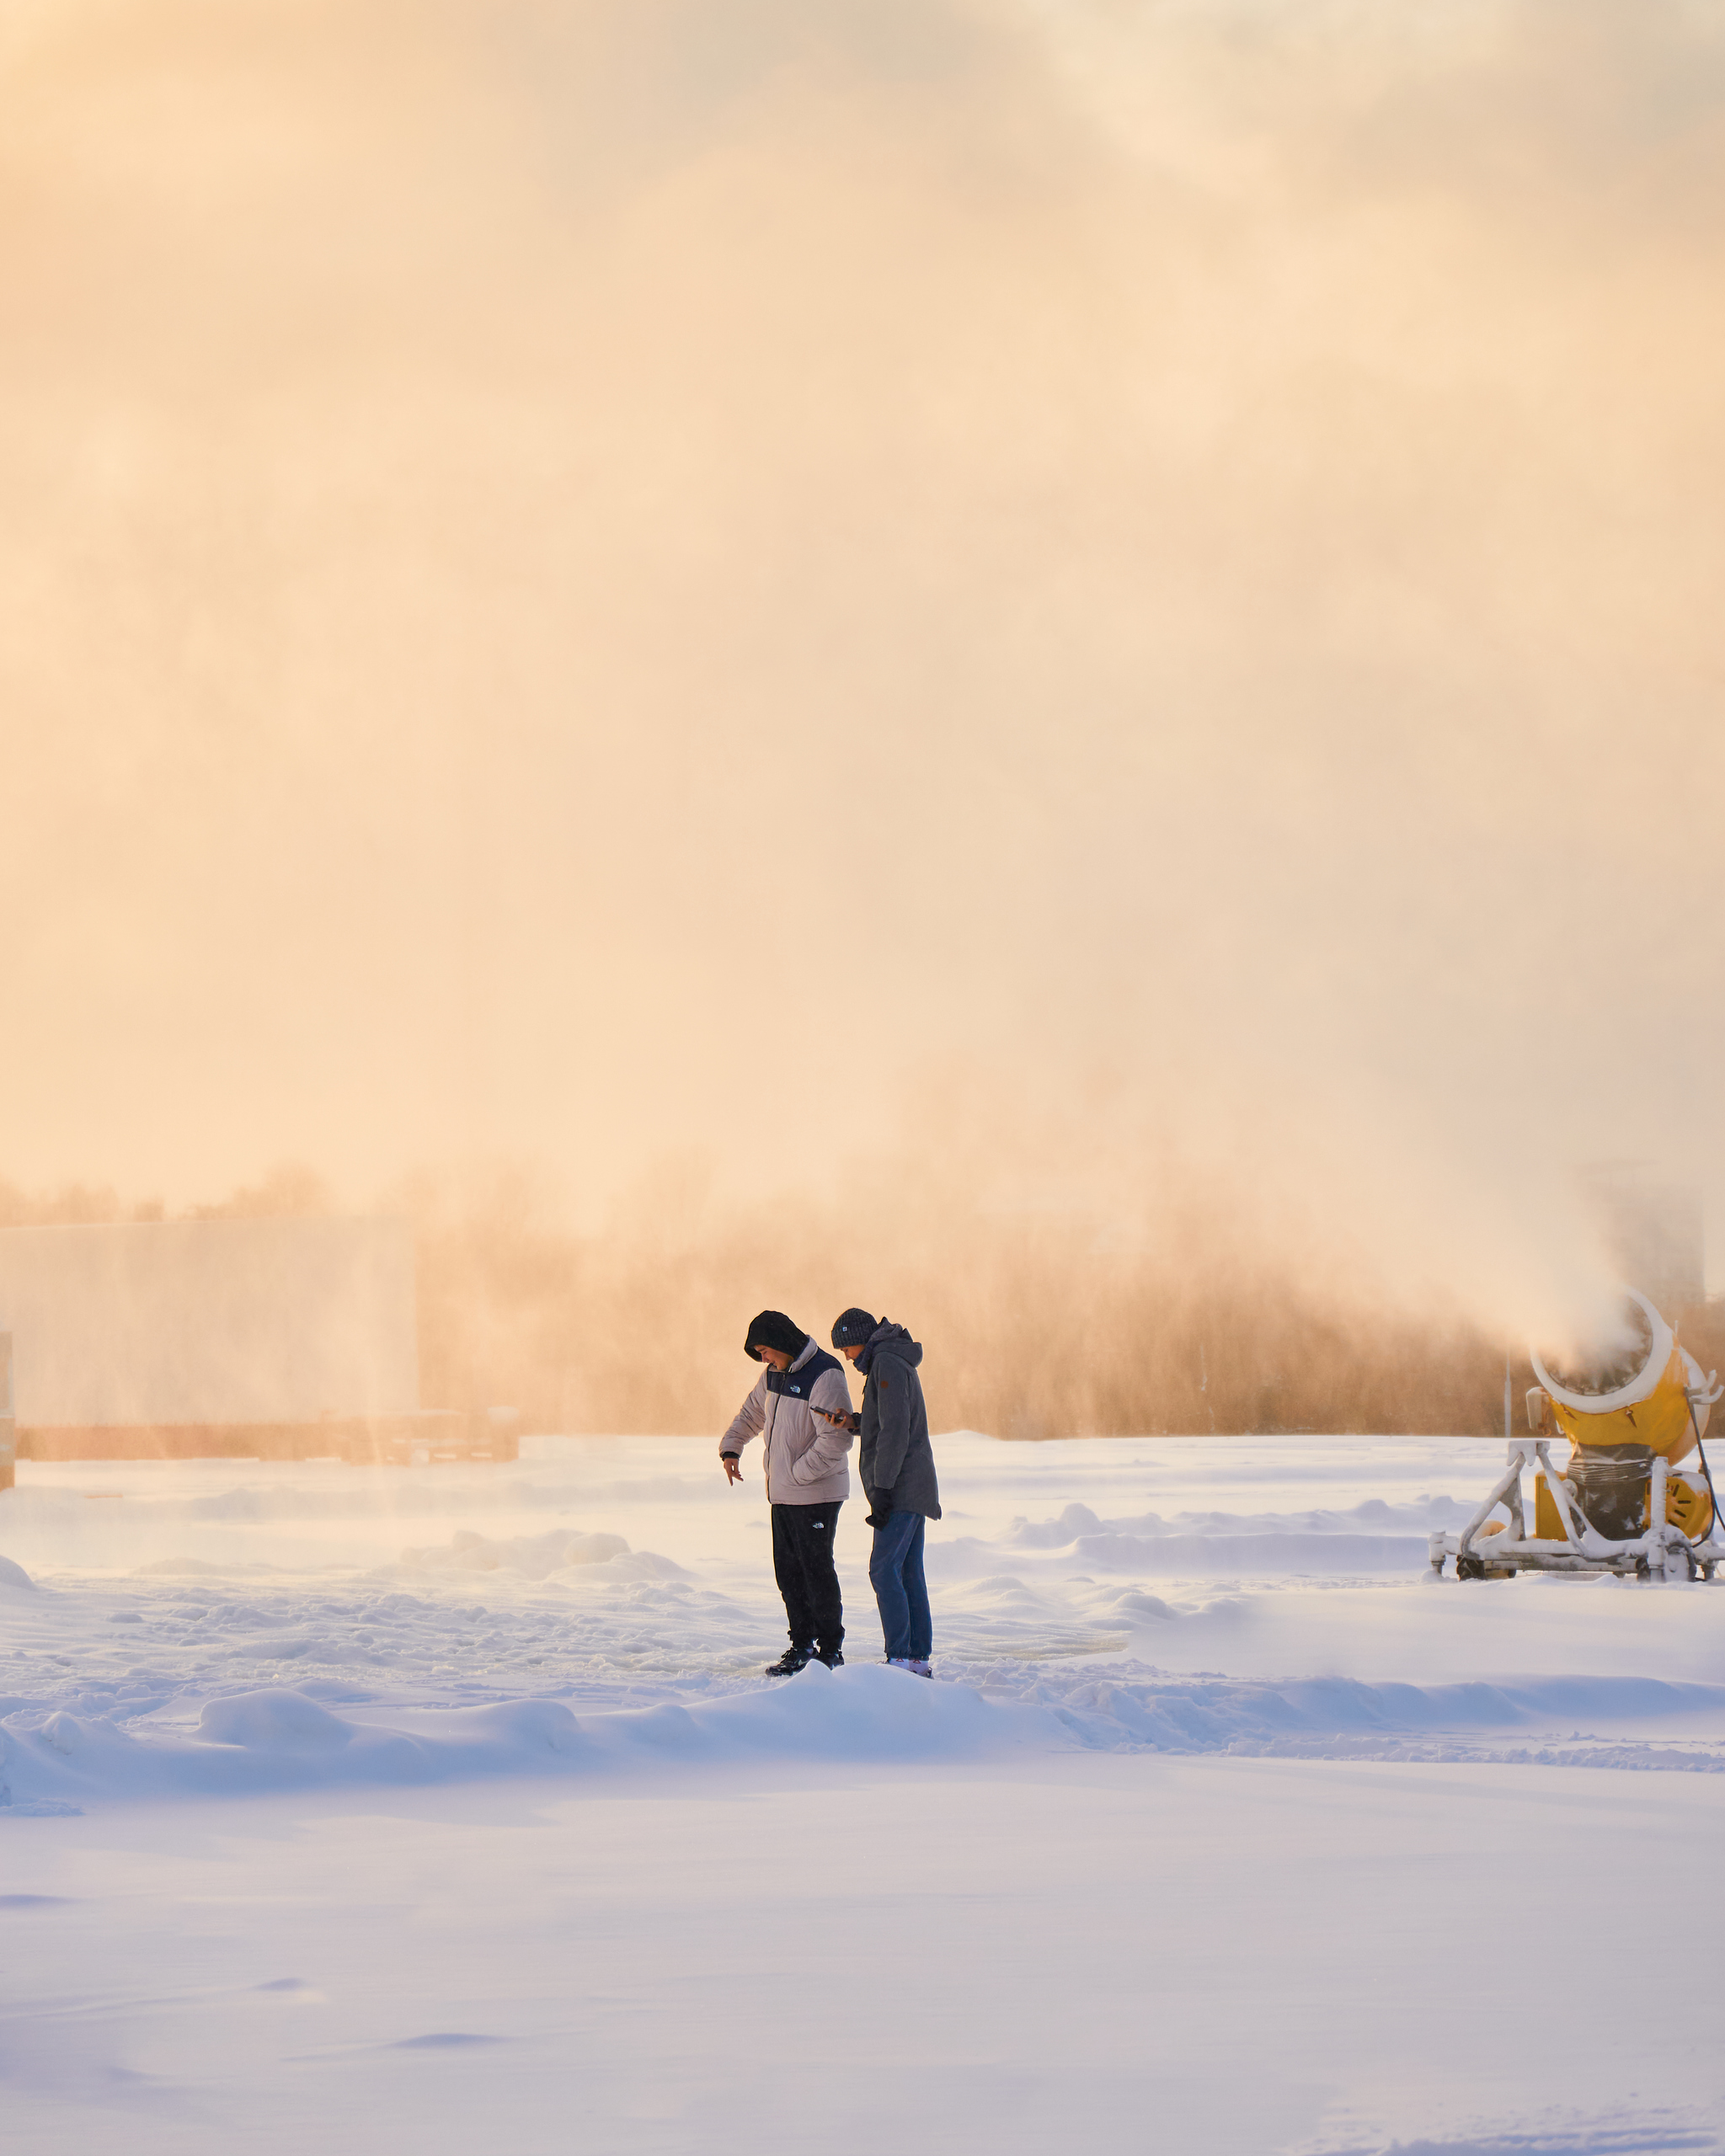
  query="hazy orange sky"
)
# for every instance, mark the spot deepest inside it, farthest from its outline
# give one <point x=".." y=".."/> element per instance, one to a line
<point x="583" y="582"/>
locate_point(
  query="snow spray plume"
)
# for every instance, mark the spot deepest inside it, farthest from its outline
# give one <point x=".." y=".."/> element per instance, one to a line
<point x="1043" y="1315"/>
<point x="590" y="580"/>
<point x="1039" y="1323"/>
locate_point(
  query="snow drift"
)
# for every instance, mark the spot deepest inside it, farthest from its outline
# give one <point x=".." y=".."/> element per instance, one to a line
<point x="280" y="1739"/>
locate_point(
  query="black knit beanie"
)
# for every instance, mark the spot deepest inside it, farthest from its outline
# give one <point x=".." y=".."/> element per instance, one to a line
<point x="854" y="1328"/>
<point x="773" y="1329"/>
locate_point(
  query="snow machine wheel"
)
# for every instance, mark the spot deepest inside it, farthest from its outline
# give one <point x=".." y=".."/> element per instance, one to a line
<point x="1470" y="1568"/>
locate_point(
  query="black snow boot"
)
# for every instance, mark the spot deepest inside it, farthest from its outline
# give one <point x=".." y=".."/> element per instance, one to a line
<point x="788" y="1663"/>
<point x="832" y="1656"/>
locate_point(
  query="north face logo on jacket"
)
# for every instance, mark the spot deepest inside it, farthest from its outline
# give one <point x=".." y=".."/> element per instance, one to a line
<point x="800" y="1383"/>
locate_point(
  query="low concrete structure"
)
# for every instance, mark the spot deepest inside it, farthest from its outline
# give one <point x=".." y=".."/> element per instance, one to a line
<point x="8" y="1428"/>
<point x="291" y="1338"/>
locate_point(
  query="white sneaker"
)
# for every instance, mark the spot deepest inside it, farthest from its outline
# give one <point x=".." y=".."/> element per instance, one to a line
<point x="916" y="1668"/>
<point x="921" y="1668"/>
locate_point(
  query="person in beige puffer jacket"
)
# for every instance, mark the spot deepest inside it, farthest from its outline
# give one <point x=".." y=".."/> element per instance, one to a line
<point x="808" y="1479"/>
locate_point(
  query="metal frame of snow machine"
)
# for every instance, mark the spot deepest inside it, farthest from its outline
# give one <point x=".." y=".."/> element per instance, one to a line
<point x="1662" y="1552"/>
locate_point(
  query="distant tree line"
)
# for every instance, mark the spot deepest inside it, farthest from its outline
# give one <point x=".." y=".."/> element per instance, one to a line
<point x="1035" y="1328"/>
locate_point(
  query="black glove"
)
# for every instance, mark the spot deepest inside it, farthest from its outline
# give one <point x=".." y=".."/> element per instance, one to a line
<point x="880" y="1509"/>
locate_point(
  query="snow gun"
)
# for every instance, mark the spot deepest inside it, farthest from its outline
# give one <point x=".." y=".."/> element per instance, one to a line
<point x="1633" y="1406"/>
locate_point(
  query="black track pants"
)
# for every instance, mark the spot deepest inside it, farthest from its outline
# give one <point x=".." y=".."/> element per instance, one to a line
<point x="802" y="1563"/>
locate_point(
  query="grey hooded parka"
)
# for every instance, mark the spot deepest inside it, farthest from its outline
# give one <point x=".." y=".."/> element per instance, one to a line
<point x="895" y="1459"/>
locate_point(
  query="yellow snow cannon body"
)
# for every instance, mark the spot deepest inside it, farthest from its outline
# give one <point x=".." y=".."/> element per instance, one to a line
<point x="1633" y="1408"/>
<point x="1648" y="1393"/>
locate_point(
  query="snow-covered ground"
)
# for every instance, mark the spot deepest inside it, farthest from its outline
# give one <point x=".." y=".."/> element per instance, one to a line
<point x="425" y="1809"/>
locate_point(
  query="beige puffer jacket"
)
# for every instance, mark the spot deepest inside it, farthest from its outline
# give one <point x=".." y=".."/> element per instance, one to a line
<point x="805" y="1457"/>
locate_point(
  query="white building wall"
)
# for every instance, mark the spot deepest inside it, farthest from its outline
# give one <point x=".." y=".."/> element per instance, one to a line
<point x="208" y="1321"/>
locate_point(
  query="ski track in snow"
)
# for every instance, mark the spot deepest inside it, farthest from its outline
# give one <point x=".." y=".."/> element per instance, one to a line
<point x="608" y="1602"/>
<point x="1620" y="2134"/>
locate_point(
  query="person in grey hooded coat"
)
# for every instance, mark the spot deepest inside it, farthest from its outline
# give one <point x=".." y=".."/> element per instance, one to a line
<point x="896" y="1462"/>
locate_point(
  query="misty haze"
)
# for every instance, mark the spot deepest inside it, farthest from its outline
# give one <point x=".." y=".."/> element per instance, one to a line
<point x="1147" y="569"/>
<point x="1044" y="675"/>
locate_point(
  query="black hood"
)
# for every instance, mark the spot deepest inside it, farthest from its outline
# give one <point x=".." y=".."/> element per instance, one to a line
<point x="896" y="1341"/>
<point x="773" y="1329"/>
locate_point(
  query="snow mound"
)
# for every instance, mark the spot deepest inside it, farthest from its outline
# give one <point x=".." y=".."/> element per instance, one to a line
<point x="255" y="1742"/>
<point x="1134" y="1606"/>
<point x="1170" y="1555"/>
<point x="1129" y="1707"/>
<point x="13" y="1576"/>
<point x="1320" y="1553"/>
<point x="275" y="1720"/>
<point x="280" y="1739"/>
<point x="536" y="1557"/>
<point x="520" y="1727"/>
<point x="1372" y="1517"/>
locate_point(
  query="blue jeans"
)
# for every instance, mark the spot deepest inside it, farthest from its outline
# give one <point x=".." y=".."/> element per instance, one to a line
<point x="895" y="1574"/>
